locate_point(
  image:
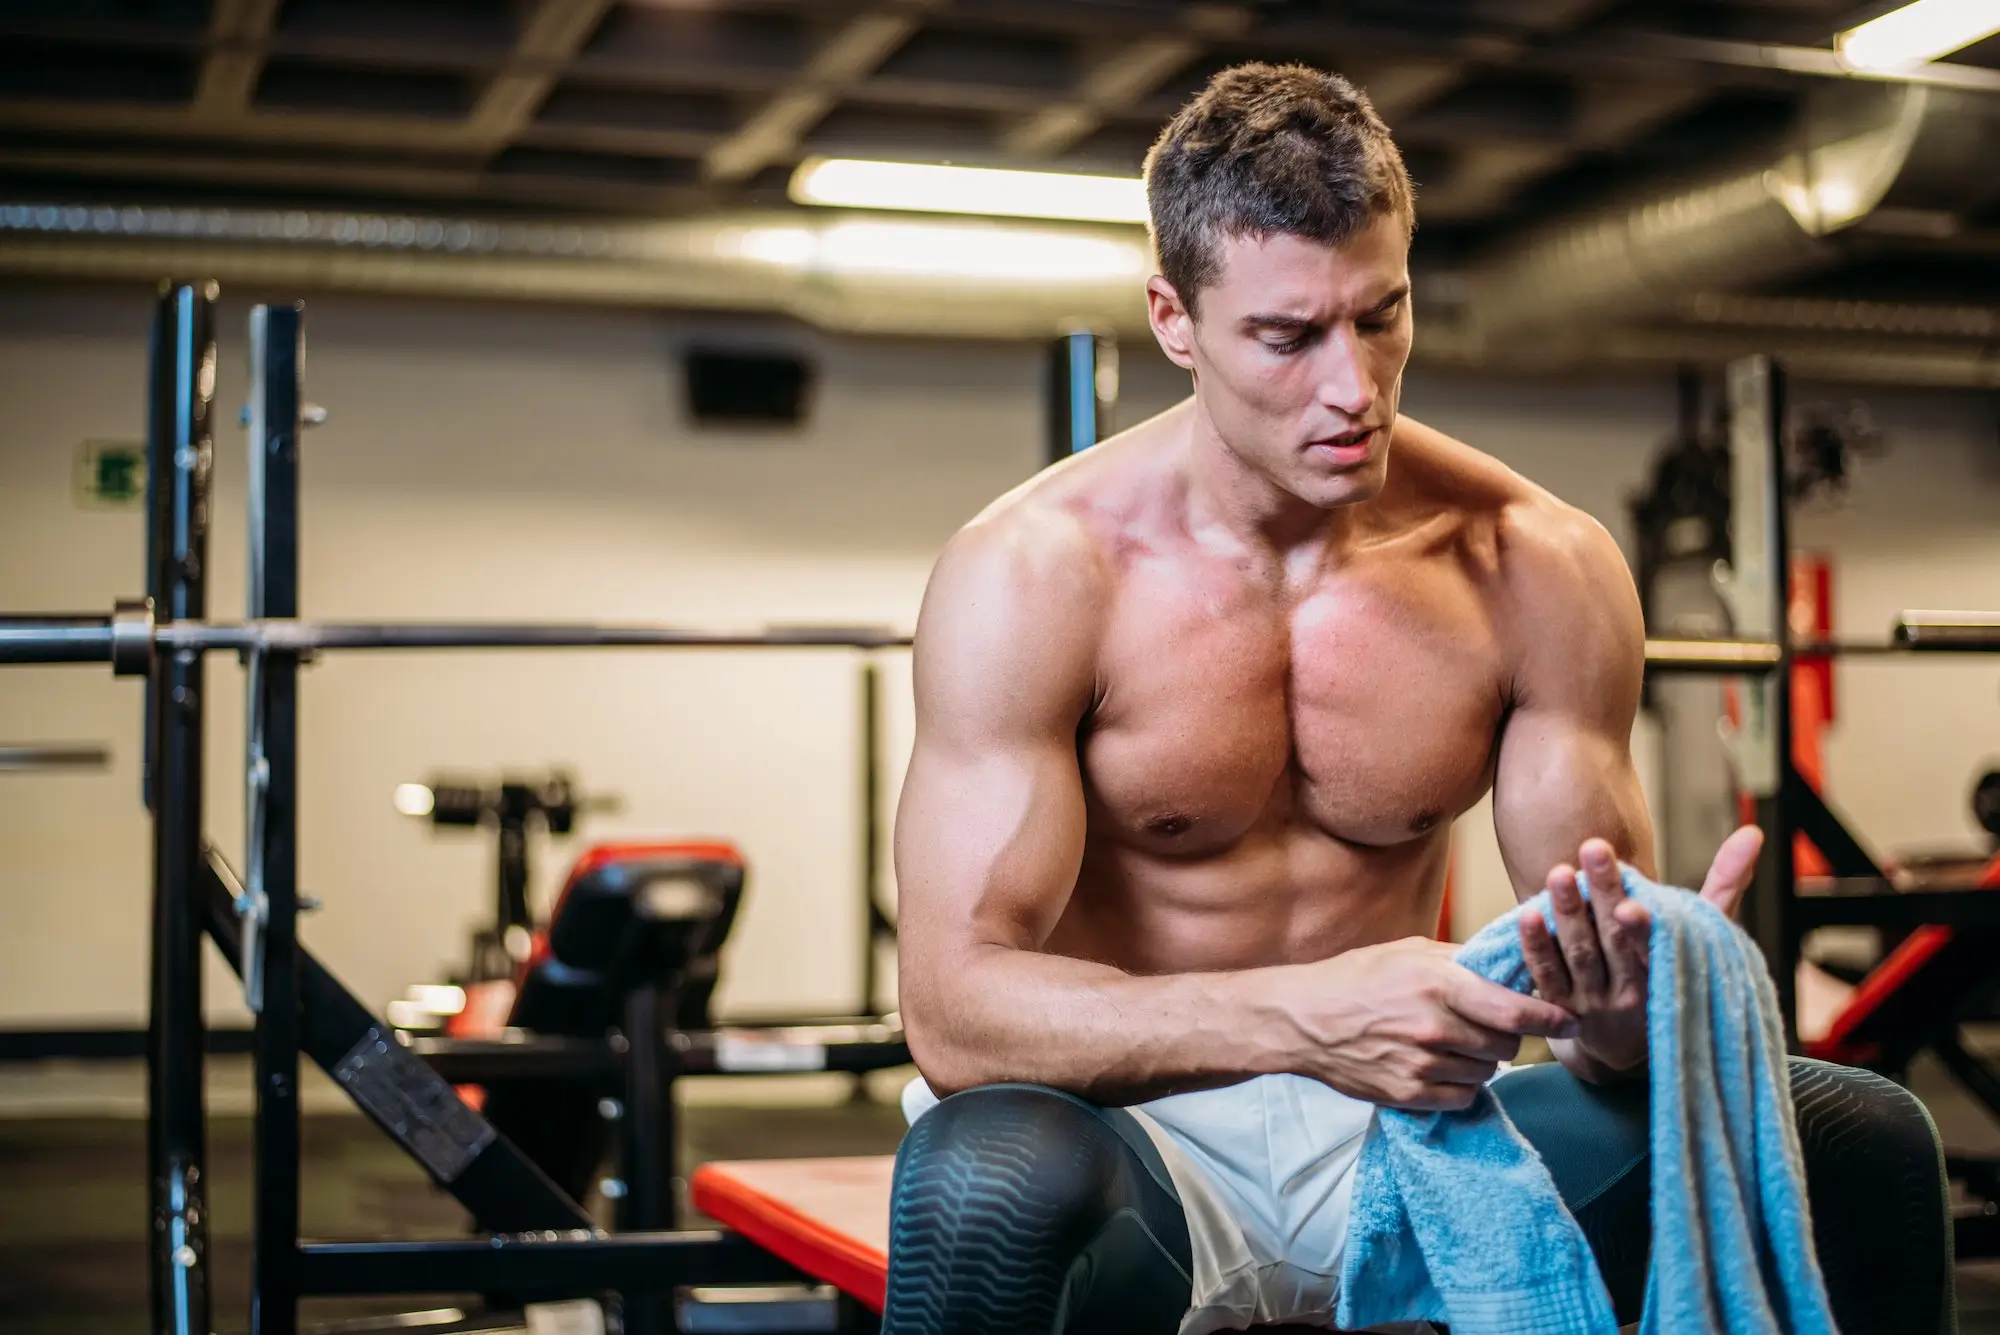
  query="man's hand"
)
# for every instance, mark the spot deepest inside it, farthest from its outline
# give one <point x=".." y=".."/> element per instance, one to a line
<point x="1596" y="963"/>
<point x="1404" y="1025"/>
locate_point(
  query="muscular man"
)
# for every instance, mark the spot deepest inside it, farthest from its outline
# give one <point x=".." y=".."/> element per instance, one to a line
<point x="1195" y="713"/>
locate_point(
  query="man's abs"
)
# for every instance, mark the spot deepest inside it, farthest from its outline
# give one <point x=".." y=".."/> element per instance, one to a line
<point x="1280" y="898"/>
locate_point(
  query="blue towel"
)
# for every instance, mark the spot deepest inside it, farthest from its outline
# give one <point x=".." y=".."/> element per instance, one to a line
<point x="1455" y="1218"/>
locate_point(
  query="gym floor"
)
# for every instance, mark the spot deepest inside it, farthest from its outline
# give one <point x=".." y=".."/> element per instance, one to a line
<point x="72" y="1257"/>
<point x="72" y="1212"/>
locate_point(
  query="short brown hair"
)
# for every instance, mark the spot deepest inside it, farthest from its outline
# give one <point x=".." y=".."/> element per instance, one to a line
<point x="1268" y="149"/>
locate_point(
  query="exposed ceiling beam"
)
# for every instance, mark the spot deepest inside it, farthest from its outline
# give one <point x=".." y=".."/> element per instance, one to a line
<point x="1776" y="59"/>
<point x="239" y="32"/>
<point x="237" y="168"/>
<point x="1403" y="86"/>
<point x="1607" y="116"/>
<point x="1121" y="77"/>
<point x="409" y="180"/>
<point x="551" y="31"/>
<point x="626" y="139"/>
<point x="854" y="51"/>
<point x="264" y="125"/>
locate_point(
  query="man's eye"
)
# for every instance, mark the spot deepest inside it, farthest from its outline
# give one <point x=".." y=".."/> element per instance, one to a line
<point x="1290" y="345"/>
<point x="1377" y="321"/>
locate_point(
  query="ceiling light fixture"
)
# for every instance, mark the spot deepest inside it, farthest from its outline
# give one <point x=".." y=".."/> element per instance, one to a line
<point x="857" y="184"/>
<point x="1917" y="33"/>
<point x="975" y="251"/>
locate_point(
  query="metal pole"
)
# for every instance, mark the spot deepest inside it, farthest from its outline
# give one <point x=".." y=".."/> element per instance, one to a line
<point x="1965" y="632"/>
<point x="871" y="838"/>
<point x="1082" y="387"/>
<point x="128" y="638"/>
<point x="650" y="1144"/>
<point x="29" y="759"/>
<point x="1759" y="594"/>
<point x="176" y="1130"/>
<point x="271" y="798"/>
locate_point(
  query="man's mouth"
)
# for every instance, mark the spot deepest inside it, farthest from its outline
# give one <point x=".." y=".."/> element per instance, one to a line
<point x="1349" y="447"/>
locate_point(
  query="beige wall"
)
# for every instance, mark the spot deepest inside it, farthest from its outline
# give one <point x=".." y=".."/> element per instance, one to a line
<point x="514" y="462"/>
<point x="484" y="462"/>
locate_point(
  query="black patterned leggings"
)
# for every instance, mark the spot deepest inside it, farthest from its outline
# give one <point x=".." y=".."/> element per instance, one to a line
<point x="1027" y="1211"/>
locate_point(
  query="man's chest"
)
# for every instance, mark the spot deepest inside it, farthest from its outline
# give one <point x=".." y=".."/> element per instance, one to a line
<point x="1368" y="708"/>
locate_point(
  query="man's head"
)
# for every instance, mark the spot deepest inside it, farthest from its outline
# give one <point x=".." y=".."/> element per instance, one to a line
<point x="1282" y="214"/>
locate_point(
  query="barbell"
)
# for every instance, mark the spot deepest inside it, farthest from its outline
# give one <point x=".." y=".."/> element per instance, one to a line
<point x="130" y="638"/>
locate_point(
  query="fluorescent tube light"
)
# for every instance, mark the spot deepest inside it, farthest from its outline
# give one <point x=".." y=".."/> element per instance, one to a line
<point x="992" y="252"/>
<point x="923" y="188"/>
<point x="1917" y="33"/>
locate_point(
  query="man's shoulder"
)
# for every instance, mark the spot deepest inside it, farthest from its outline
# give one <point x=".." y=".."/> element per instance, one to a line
<point x="1032" y="533"/>
<point x="1542" y="545"/>
<point x="1029" y="558"/>
<point x="1062" y="528"/>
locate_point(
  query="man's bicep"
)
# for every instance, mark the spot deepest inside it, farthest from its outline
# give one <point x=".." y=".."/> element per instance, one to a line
<point x="1565" y="771"/>
<point x="989" y="833"/>
<point x="988" y="843"/>
<point x="1559" y="782"/>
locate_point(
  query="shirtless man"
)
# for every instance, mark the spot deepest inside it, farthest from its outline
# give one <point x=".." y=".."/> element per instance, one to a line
<point x="1195" y="713"/>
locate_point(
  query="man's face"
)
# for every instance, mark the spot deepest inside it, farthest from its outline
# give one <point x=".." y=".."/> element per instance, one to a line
<point x="1298" y="355"/>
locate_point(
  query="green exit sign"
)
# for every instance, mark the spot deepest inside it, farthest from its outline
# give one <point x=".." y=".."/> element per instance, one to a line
<point x="111" y="475"/>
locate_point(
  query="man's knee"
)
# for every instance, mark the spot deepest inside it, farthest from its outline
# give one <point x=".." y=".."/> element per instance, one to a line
<point x="1023" y="1209"/>
<point x="1011" y="1164"/>
<point x="1867" y="1142"/>
<point x="1840" y="1105"/>
<point x="1875" y="1177"/>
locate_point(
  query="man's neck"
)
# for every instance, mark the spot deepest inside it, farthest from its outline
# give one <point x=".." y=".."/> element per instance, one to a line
<point x="1229" y="494"/>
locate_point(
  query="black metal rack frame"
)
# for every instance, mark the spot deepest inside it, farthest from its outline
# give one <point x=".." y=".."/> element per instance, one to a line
<point x="543" y="1244"/>
<point x="1758" y="590"/>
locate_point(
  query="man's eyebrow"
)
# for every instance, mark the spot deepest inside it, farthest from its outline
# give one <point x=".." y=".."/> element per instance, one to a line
<point x="1391" y="299"/>
<point x="1275" y="321"/>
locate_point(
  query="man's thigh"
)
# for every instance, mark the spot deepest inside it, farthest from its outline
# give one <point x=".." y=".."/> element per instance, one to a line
<point x="1597" y="1143"/>
<point x="1874" y="1175"/>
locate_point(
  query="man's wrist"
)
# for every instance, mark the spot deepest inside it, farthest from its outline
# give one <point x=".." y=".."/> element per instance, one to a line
<point x="1262" y="1035"/>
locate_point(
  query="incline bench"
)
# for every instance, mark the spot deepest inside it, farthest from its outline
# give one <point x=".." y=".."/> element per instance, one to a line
<point x="560" y="1054"/>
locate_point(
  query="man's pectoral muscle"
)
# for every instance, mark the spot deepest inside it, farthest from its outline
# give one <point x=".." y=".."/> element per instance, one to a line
<point x="989" y="842"/>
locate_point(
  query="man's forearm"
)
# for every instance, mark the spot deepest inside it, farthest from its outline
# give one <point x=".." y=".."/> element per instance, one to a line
<point x="1000" y="1014"/>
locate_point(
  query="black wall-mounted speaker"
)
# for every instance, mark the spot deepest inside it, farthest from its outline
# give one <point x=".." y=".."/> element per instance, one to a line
<point x="733" y="387"/>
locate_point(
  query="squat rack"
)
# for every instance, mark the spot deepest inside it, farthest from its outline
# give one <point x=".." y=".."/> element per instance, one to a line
<point x="542" y="1243"/>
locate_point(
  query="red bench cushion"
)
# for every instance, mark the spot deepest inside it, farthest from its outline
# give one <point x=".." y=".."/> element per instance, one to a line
<point x="828" y="1217"/>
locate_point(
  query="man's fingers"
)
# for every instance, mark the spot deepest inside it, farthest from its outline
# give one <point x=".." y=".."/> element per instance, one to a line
<point x="1436" y="1098"/>
<point x="1598" y="861"/>
<point x="1734" y="866"/>
<point x="1576" y="934"/>
<point x="1460" y="1037"/>
<point x="1456" y="1070"/>
<point x="1624" y="949"/>
<point x="1545" y="962"/>
<point x="1496" y="1007"/>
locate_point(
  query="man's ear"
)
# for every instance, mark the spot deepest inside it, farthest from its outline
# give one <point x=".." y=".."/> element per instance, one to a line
<point x="1173" y="324"/>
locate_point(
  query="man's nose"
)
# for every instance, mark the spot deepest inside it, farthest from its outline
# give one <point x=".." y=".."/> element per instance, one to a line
<point x="1345" y="381"/>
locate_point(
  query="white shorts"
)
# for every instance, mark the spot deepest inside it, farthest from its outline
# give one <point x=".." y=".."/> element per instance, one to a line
<point x="1265" y="1170"/>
